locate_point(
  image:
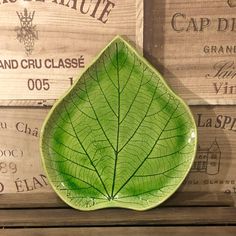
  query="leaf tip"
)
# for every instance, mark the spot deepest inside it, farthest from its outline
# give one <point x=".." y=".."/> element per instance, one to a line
<point x="120" y="39"/>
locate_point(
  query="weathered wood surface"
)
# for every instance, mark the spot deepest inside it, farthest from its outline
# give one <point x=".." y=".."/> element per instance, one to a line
<point x="20" y="162"/>
<point x="213" y="170"/>
<point x="118" y="231"/>
<point x="193" y="44"/>
<point x="183" y="63"/>
<point x="118" y="217"/>
<point x="51" y="200"/>
<point x="65" y="37"/>
<point x="215" y="162"/>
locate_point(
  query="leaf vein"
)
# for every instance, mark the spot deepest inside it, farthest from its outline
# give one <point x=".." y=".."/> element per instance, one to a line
<point x="126" y="182"/>
<point x="91" y="162"/>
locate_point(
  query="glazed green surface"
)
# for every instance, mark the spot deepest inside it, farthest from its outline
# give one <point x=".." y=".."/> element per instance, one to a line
<point x="120" y="137"/>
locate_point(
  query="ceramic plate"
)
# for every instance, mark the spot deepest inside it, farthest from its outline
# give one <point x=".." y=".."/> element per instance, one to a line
<point x="120" y="137"/>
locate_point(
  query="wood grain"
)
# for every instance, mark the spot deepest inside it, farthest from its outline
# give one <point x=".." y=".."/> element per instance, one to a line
<point x="20" y="162"/>
<point x="188" y="53"/>
<point x="183" y="63"/>
<point x="118" y="217"/>
<point x="63" y="34"/>
<point x="216" y="126"/>
<point x="51" y="200"/>
<point x="215" y="163"/>
<point x="117" y="231"/>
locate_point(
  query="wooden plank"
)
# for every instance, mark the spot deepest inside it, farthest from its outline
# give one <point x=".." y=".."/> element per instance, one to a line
<point x="215" y="163"/>
<point x="20" y="163"/>
<point x="31" y="200"/>
<point x="192" y="44"/>
<point x="118" y="217"/>
<point x="61" y="39"/>
<point x="117" y="231"/>
<point x="51" y="200"/>
<point x="139" y="24"/>
<point x="200" y="199"/>
<point x="212" y="172"/>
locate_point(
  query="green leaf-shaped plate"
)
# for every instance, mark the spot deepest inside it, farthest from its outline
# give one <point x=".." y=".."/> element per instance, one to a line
<point x="120" y="137"/>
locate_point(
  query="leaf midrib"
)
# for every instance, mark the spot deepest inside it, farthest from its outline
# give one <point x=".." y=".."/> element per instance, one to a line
<point x="118" y="123"/>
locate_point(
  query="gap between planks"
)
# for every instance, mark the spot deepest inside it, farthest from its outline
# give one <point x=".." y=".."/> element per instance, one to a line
<point x="44" y="103"/>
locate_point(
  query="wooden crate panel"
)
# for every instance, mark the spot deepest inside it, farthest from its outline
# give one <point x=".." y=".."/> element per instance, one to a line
<point x="20" y="163"/>
<point x="46" y="43"/>
<point x="193" y="44"/>
<point x="215" y="163"/>
<point x="213" y="169"/>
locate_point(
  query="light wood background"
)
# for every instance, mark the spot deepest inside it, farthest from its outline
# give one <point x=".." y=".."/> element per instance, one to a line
<point x="29" y="164"/>
<point x="62" y="33"/>
<point x="38" y="210"/>
<point x="212" y="128"/>
<point x="20" y="163"/>
<point x="180" y="56"/>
